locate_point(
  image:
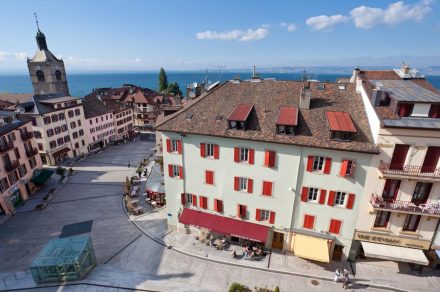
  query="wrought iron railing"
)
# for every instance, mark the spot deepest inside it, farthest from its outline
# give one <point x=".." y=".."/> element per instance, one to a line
<point x="409" y="170"/>
<point x="430" y="208"/>
<point x="26" y="135"/>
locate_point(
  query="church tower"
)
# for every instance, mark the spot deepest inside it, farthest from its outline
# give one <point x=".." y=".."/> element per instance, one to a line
<point x="47" y="72"/>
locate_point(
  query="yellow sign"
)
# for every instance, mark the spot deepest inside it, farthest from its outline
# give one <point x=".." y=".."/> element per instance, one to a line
<point x="392" y="240"/>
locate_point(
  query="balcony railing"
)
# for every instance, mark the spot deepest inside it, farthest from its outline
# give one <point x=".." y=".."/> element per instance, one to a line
<point x="11" y="165"/>
<point x="26" y="135"/>
<point x="31" y="152"/>
<point x="6" y="147"/>
<point x="431" y="208"/>
<point x="409" y="170"/>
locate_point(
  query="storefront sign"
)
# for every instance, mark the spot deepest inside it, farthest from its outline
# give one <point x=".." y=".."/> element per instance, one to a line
<point x="392" y="240"/>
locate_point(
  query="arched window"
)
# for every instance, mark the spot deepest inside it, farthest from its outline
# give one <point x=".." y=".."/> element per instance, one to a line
<point x="58" y="75"/>
<point x="40" y="76"/>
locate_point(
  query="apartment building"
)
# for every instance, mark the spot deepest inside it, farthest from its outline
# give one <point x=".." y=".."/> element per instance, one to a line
<point x="19" y="159"/>
<point x="283" y="163"/>
<point x="99" y="126"/>
<point x="122" y="119"/>
<point x="400" y="211"/>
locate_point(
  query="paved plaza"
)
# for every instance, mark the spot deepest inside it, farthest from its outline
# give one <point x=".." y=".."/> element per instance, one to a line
<point x="131" y="252"/>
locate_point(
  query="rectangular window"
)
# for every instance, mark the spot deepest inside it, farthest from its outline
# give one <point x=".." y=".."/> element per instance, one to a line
<point x="13" y="177"/>
<point x="174" y="145"/>
<point x="382" y="218"/>
<point x="218" y="205"/>
<point x="421" y="193"/>
<point x="309" y="221"/>
<point x="210" y="150"/>
<point x="244" y="154"/>
<point x="241" y="211"/>
<point x="312" y="195"/>
<point x="318" y="163"/>
<point x="340" y="198"/>
<point x="77" y="112"/>
<point x="269" y="158"/>
<point x="411" y="222"/>
<point x="264" y="215"/>
<point x="70" y="113"/>
<point x="347" y="168"/>
<point x="209" y="177"/>
<point x="189" y="198"/>
<point x="4" y="184"/>
<point x="335" y="226"/>
<point x="174" y="170"/>
<point x="267" y="188"/>
<point x="242" y="184"/>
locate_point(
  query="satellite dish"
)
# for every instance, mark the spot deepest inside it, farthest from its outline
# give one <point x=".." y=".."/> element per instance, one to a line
<point x="194" y="84"/>
<point x="233" y="124"/>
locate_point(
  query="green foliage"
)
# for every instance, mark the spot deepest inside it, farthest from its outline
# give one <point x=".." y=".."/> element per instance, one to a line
<point x="237" y="287"/>
<point x="163" y="80"/>
<point x="277" y="289"/>
<point x="174" y="89"/>
<point x="61" y="171"/>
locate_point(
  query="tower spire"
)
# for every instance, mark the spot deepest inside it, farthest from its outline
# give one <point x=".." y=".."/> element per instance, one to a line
<point x="40" y="37"/>
<point x="36" y="21"/>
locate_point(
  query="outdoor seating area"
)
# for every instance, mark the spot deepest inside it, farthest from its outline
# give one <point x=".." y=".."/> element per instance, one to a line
<point x="253" y="251"/>
<point x="133" y="205"/>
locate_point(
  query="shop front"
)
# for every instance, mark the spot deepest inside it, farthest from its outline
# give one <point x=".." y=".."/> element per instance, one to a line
<point x="16" y="198"/>
<point x="311" y="245"/>
<point x="392" y="248"/>
<point x="60" y="155"/>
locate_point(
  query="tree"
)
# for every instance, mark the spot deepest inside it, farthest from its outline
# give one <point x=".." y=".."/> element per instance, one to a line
<point x="174" y="89"/>
<point x="163" y="80"/>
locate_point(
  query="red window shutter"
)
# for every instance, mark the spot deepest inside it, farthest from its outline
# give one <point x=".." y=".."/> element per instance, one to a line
<point x="205" y="202"/>
<point x="272" y="159"/>
<point x="257" y="215"/>
<point x="331" y="198"/>
<point x="201" y="202"/>
<point x="335" y="226"/>
<point x="209" y="177"/>
<point x="236" y="154"/>
<point x="168" y="145"/>
<point x="238" y="211"/>
<point x="322" y="195"/>
<point x="179" y="146"/>
<point x="250" y="185"/>
<point x="327" y="165"/>
<point x="215" y="205"/>
<point x="194" y="200"/>
<point x="251" y="156"/>
<point x="267" y="158"/>
<point x="310" y="159"/>
<point x="267" y="188"/>
<point x="344" y="166"/>
<point x="202" y="150"/>
<point x="272" y="217"/>
<point x="219" y="206"/>
<point x="309" y="221"/>
<point x="216" y="152"/>
<point x="350" y="201"/>
<point x="236" y="182"/>
<point x="304" y="194"/>
<point x="170" y="170"/>
<point x="180" y="171"/>
<point x="243" y="211"/>
<point x="183" y="198"/>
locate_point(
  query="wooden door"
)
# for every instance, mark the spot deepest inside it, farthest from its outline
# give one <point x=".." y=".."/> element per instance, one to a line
<point x="277" y="240"/>
<point x="399" y="156"/>
<point x="337" y="252"/>
<point x="431" y="159"/>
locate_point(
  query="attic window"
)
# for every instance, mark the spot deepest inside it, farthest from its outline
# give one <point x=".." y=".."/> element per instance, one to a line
<point x="239" y="117"/>
<point x="320" y="86"/>
<point x="341" y="126"/>
<point x="219" y="118"/>
<point x="287" y="120"/>
<point x="341" y="86"/>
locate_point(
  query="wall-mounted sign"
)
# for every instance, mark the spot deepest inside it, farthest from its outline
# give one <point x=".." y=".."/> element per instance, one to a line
<point x="392" y="240"/>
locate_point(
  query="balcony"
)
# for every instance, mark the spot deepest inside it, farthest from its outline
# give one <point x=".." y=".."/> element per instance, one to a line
<point x="6" y="147"/>
<point x="26" y="135"/>
<point x="11" y="165"/>
<point x="409" y="171"/>
<point x="31" y="152"/>
<point x="432" y="208"/>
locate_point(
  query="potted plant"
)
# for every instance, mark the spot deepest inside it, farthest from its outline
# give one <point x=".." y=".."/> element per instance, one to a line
<point x="61" y="171"/>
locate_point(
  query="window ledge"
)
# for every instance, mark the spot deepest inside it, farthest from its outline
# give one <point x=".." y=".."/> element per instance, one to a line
<point x="409" y="233"/>
<point x="380" y="229"/>
<point x="265" y="196"/>
<point x="312" y="202"/>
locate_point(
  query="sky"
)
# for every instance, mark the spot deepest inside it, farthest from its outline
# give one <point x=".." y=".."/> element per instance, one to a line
<point x="135" y="35"/>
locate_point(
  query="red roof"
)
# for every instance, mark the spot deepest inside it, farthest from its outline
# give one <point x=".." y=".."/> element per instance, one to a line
<point x="288" y="116"/>
<point x="241" y="112"/>
<point x="224" y="225"/>
<point x="340" y="121"/>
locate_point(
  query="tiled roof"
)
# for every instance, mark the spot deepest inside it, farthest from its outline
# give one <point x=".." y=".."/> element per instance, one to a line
<point x="288" y="116"/>
<point x="93" y="107"/>
<point x="379" y="74"/>
<point x="210" y="113"/>
<point x="340" y="121"/>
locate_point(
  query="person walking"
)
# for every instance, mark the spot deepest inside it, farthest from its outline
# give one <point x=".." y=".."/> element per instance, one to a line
<point x="345" y="279"/>
<point x="129" y="164"/>
<point x="337" y="275"/>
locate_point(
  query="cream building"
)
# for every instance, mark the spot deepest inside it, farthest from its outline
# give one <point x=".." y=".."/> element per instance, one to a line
<point x="400" y="210"/>
<point x="277" y="162"/>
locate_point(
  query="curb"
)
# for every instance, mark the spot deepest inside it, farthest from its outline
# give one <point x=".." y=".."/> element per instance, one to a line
<point x="77" y="284"/>
<point x="275" y="271"/>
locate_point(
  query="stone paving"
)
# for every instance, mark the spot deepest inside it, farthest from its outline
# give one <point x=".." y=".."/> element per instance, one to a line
<point x="128" y="259"/>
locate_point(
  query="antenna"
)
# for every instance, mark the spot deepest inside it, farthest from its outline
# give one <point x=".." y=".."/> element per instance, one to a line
<point x="36" y="21"/>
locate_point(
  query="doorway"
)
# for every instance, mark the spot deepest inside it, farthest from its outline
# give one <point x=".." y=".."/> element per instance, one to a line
<point x="337" y="252"/>
<point x="277" y="240"/>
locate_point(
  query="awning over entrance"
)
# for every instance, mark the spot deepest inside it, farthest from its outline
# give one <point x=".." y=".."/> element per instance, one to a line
<point x="394" y="253"/>
<point x="62" y="151"/>
<point x="312" y="248"/>
<point x="224" y="225"/>
<point x="41" y="176"/>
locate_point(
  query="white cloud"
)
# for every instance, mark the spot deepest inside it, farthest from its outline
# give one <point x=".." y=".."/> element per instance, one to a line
<point x="325" y="22"/>
<point x="17" y="56"/>
<point x="81" y="61"/>
<point x="234" y="35"/>
<point x="290" y="26"/>
<point x="367" y="17"/>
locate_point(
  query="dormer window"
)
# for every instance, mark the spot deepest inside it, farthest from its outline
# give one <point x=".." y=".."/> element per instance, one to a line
<point x="239" y="118"/>
<point x="405" y="109"/>
<point x="341" y="126"/>
<point x="287" y="120"/>
<point x="320" y="86"/>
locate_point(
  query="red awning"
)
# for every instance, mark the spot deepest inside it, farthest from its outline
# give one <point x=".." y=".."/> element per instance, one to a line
<point x="288" y="116"/>
<point x="340" y="121"/>
<point x="224" y="225"/>
<point x="241" y="112"/>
